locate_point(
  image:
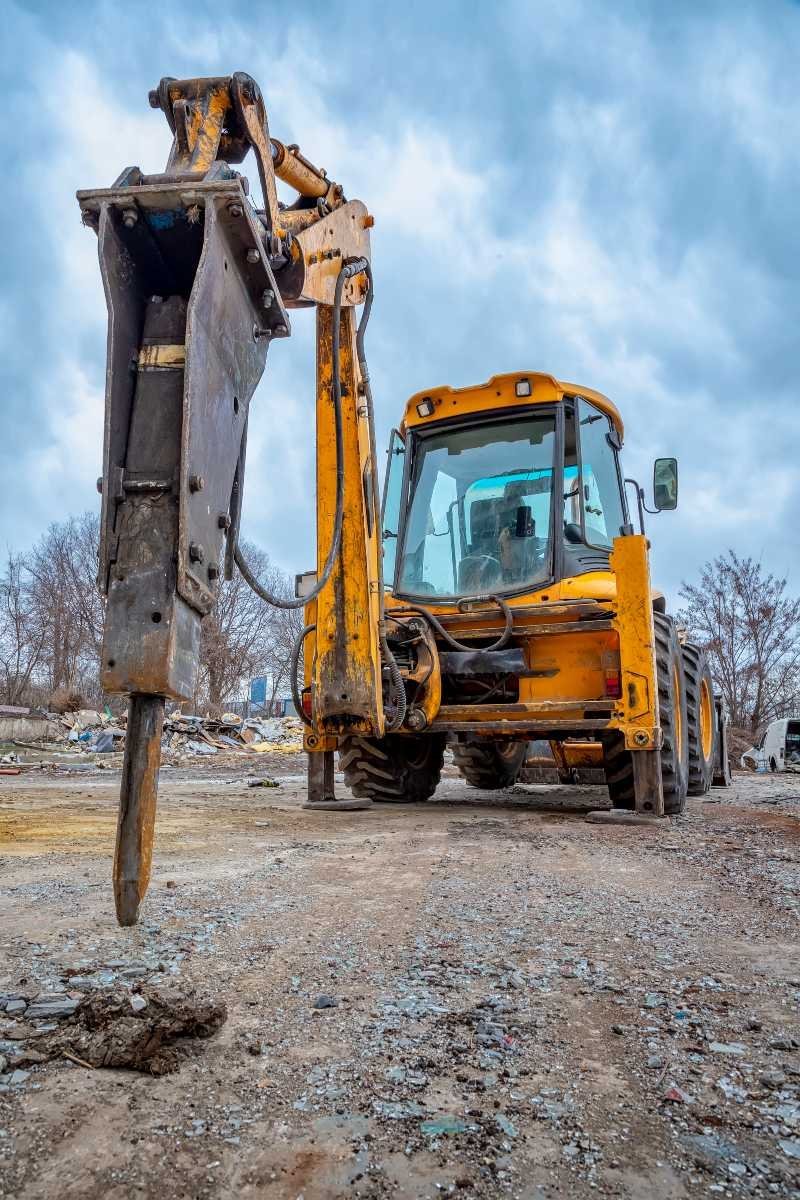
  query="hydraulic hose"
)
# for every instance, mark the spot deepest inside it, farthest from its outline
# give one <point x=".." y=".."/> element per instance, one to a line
<point x="294" y="663"/>
<point x="397" y="689"/>
<point x="501" y="642"/>
<point x="347" y="271"/>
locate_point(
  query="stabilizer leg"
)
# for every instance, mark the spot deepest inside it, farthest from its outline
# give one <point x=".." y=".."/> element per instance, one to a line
<point x="648" y="793"/>
<point x="321" y="790"/>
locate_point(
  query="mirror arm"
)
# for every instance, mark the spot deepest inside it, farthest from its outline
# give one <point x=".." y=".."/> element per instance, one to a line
<point x="639" y="502"/>
<point x="653" y="511"/>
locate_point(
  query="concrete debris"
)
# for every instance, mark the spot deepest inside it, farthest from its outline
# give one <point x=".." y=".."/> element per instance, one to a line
<point x="86" y="733"/>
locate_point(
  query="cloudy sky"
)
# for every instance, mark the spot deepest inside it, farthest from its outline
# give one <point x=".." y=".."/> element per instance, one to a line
<point x="606" y="191"/>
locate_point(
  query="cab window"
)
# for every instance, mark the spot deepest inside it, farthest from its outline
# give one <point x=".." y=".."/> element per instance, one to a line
<point x="599" y="490"/>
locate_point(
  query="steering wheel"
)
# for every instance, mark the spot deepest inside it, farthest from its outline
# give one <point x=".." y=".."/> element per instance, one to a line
<point x="482" y="564"/>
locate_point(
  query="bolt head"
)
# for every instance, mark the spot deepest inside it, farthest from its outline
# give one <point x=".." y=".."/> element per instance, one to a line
<point x="416" y="719"/>
<point x="235" y="210"/>
<point x="268" y="297"/>
<point x="253" y="256"/>
<point x="213" y="570"/>
<point x="100" y="484"/>
<point x="130" y="217"/>
<point x="280" y="330"/>
<point x="196" y="483"/>
<point x="152" y="98"/>
<point x="223" y="522"/>
<point x="196" y="552"/>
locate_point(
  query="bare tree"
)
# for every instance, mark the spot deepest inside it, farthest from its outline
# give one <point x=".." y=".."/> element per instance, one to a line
<point x="22" y="638"/>
<point x="243" y="636"/>
<point x="51" y="623"/>
<point x="61" y="572"/>
<point x="751" y="629"/>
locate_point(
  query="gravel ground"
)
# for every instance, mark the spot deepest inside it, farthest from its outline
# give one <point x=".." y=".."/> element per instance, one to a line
<point x="483" y="995"/>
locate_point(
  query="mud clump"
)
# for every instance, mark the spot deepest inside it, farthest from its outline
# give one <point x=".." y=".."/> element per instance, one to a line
<point x="107" y="1030"/>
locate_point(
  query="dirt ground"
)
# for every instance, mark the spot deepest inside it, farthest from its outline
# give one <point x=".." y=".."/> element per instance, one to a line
<point x="483" y="995"/>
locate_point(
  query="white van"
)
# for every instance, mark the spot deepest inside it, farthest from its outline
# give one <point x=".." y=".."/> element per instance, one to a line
<point x="777" y="749"/>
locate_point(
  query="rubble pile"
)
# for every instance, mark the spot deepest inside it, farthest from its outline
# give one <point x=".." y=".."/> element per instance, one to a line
<point x="87" y="731"/>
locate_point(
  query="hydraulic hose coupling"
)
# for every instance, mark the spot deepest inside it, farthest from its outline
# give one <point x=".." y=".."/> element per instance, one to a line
<point x="353" y="266"/>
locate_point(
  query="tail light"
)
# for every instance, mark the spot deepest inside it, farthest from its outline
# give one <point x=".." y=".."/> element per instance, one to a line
<point x="305" y="700"/>
<point x="613" y="684"/>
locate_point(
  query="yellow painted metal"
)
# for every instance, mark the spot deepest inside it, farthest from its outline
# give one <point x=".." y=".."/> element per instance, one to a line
<point x="706" y="720"/>
<point x="198" y="127"/>
<point x="320" y="250"/>
<point x="634" y="625"/>
<point x="344" y="652"/>
<point x="498" y="393"/>
<point x="162" y="356"/>
<point x="588" y="755"/>
<point x="298" y="172"/>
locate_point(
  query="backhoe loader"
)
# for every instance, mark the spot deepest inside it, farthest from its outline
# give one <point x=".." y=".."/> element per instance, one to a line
<point x="499" y="593"/>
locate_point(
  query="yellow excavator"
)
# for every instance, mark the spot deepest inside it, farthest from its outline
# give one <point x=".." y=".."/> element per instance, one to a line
<point x="498" y="593"/>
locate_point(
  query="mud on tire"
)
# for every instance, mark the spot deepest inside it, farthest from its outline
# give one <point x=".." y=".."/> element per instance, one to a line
<point x="701" y="718"/>
<point x="490" y="765"/>
<point x="394" y="769"/>
<point x="618" y="763"/>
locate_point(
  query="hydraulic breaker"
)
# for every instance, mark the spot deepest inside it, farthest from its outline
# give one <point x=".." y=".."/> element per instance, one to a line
<point x="198" y="283"/>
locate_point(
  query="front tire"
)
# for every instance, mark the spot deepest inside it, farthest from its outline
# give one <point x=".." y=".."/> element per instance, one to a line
<point x="618" y="762"/>
<point x="394" y="769"/>
<point x="490" y="765"/>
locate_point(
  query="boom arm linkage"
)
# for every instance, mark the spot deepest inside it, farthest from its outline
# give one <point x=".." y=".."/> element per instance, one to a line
<point x="198" y="284"/>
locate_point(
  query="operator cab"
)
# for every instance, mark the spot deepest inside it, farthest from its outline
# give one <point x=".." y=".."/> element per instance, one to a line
<point x="502" y="489"/>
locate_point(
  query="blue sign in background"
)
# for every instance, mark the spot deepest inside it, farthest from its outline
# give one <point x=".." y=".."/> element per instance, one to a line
<point x="258" y="690"/>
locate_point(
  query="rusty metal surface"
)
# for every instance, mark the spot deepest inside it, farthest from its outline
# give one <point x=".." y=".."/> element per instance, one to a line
<point x="346" y="656"/>
<point x="483" y="662"/>
<point x="647" y="783"/>
<point x="177" y="402"/>
<point x="137" y="805"/>
<point x="319" y="252"/>
<point x="224" y="362"/>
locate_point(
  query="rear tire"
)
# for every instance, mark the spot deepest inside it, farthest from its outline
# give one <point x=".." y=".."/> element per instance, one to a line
<point x="490" y="765"/>
<point x="394" y="769"/>
<point x="618" y="762"/>
<point x="618" y="768"/>
<point x="701" y="717"/>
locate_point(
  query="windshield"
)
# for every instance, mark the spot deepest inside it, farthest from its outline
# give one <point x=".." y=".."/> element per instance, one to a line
<point x="479" y="509"/>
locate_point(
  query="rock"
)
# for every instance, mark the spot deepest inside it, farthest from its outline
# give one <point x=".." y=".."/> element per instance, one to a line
<point x="709" y="1150"/>
<point x="15" y="1007"/>
<point x="782" y="1043"/>
<point x="138" y="1003"/>
<point x="675" y="1095"/>
<point x="443" y="1125"/>
<point x="619" y="1030"/>
<point x="655" y="1062"/>
<point x="50" y="1009"/>
<point x="505" y="1126"/>
<point x="325" y="1001"/>
<point x="3" y="1063"/>
<point x="396" y="1111"/>
<point x="735" y="1048"/>
<point x="18" y="1077"/>
<point x="654" y="1000"/>
<point x="772" y="1079"/>
<point x="792" y="1148"/>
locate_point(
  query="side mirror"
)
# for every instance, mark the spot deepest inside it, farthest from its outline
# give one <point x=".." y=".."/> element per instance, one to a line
<point x="665" y="484"/>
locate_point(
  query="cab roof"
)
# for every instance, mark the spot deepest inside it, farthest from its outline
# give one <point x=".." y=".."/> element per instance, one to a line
<point x="501" y="392"/>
